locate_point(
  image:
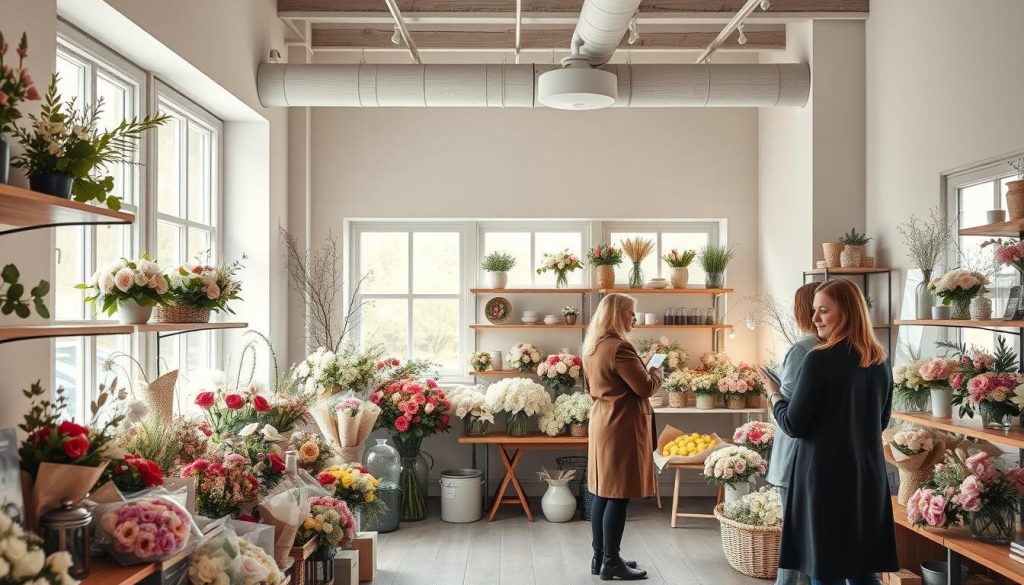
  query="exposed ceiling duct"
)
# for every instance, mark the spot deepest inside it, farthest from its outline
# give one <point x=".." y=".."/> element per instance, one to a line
<point x="515" y="86"/>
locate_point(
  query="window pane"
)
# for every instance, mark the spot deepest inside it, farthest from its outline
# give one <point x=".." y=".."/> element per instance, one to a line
<point x="974" y="202"/>
<point x="199" y="245"/>
<point x="436" y="331"/>
<point x="71" y="84"/>
<point x="386" y="255"/>
<point x="649" y="264"/>
<point x="553" y="243"/>
<point x="198" y="350"/>
<point x="518" y="245"/>
<point x="106" y="346"/>
<point x="168" y="167"/>
<point x="116" y="107"/>
<point x="111" y="243"/>
<point x="198" y="175"/>
<point x="435" y="263"/>
<point x="70" y="372"/>
<point x="168" y="250"/>
<point x="386" y="321"/>
<point x="70" y="271"/>
<point x="170" y="353"/>
<point x="681" y="242"/>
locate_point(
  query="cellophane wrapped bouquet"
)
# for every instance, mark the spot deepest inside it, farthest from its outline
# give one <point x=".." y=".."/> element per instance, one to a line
<point x="146" y="529"/>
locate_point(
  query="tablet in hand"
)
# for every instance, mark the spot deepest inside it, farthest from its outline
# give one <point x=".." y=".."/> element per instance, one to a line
<point x="656" y="361"/>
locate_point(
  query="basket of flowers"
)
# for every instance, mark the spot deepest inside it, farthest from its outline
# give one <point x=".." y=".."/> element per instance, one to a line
<point x="752" y="532"/>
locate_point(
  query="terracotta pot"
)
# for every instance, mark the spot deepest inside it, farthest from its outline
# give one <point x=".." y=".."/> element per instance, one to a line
<point x="680" y="277"/>
<point x="1015" y="199"/>
<point x="605" y="276"/>
<point x="677" y="399"/>
<point x="832" y="251"/>
<point x="851" y="256"/>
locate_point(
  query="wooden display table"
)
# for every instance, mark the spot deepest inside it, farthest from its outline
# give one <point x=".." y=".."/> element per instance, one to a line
<point x="676" y="514"/>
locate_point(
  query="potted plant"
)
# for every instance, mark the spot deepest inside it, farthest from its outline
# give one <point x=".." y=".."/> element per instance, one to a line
<point x="480" y="361"/>
<point x="569" y="410"/>
<point x="1015" y="191"/>
<point x="195" y="290"/>
<point x="853" y="248"/>
<point x="926" y="242"/>
<point x="637" y="249"/>
<point x="679" y="262"/>
<point x="67" y="153"/>
<point x="734" y="467"/>
<point x="570" y="313"/>
<point x="957" y="287"/>
<point x="676" y="384"/>
<point x="497" y="265"/>
<point x="16" y="86"/>
<point x="129" y="288"/>
<point x="714" y="260"/>
<point x="561" y="264"/>
<point x="605" y="258"/>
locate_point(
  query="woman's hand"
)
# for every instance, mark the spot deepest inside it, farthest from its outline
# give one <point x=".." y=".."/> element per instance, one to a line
<point x="659" y="374"/>
<point x="770" y="385"/>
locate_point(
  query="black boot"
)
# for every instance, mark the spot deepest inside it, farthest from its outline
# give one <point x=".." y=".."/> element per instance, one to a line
<point x="595" y="563"/>
<point x="616" y="568"/>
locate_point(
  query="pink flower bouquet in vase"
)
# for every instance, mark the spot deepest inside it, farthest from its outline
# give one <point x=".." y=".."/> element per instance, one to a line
<point x="913" y="451"/>
<point x="734" y="467"/>
<point x="145" y="530"/>
<point x="757" y="436"/>
<point x="560" y="372"/>
<point x="987" y="382"/>
<point x="936" y="374"/>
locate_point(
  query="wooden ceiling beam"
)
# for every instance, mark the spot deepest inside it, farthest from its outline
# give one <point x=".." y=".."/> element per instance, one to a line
<point x="546" y="39"/>
<point x="562" y="6"/>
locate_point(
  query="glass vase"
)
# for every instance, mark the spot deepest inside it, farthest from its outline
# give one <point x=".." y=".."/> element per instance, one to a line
<point x="561" y="280"/>
<point x="384" y="463"/>
<point x="961" y="309"/>
<point x="636" y="276"/>
<point x="995" y="416"/>
<point x="515" y="424"/>
<point x="919" y="403"/>
<point x="412" y="480"/>
<point x="714" y="279"/>
<point x="925" y="298"/>
<point x="476" y="426"/>
<point x="993" y="524"/>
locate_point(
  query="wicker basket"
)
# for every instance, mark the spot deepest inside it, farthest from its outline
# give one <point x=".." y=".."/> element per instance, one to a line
<point x="180" y="314"/>
<point x="910" y="481"/>
<point x="751" y="550"/>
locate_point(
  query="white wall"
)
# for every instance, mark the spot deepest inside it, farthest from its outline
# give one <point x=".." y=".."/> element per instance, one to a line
<point x="943" y="90"/>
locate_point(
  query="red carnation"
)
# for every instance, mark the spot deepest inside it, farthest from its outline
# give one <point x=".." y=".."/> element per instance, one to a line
<point x="576" y="361"/>
<point x="260" y="403"/>
<point x="204" y="400"/>
<point x="401" y="424"/>
<point x="396" y="362"/>
<point x="431" y="383"/>
<point x="444" y="419"/>
<point x="276" y="463"/>
<point x="70" y="429"/>
<point x="234" y="401"/>
<point x="76" y="446"/>
<point x="325" y="478"/>
<point x="553" y="360"/>
<point x="149" y="472"/>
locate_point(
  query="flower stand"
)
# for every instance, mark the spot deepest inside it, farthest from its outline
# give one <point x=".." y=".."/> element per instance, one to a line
<point x="303" y="570"/>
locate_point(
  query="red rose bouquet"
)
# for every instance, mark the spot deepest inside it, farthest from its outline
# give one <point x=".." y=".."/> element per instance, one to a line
<point x="223" y="484"/>
<point x="135" y="473"/>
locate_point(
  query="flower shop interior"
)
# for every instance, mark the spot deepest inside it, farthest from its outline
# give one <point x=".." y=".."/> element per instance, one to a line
<point x="295" y="291"/>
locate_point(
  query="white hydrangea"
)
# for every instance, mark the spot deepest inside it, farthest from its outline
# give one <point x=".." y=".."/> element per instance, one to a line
<point x="469" y="401"/>
<point x="569" y="409"/>
<point x="514" y="395"/>
<point x="760" y="508"/>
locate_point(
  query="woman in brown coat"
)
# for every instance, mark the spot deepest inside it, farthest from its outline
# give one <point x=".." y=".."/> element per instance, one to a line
<point x="619" y="451"/>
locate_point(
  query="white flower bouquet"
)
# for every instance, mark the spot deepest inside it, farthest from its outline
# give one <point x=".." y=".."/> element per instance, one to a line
<point x="22" y="560"/>
<point x="909" y="388"/>
<point x="677" y="356"/>
<point x="760" y="508"/>
<point x="560" y="371"/>
<point x="733" y="465"/>
<point x="217" y="561"/>
<point x="687" y="380"/>
<point x="329" y="372"/>
<point x="480" y="361"/>
<point x="958" y="287"/>
<point x="469" y="401"/>
<point x="121" y="281"/>
<point x="258" y="568"/>
<point x="911" y="441"/>
<point x="517" y="395"/>
<point x="524" y="357"/>
<point x="569" y="409"/>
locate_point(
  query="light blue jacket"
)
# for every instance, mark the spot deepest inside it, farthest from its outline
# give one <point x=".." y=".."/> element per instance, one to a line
<point x="785" y="446"/>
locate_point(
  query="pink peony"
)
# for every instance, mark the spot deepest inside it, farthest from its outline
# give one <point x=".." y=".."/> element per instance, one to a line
<point x="935" y="514"/>
<point x="956" y="381"/>
<point x="938" y="369"/>
<point x="914" y="507"/>
<point x="982" y="465"/>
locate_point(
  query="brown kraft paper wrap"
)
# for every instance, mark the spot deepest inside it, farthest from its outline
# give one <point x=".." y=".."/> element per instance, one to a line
<point x="55" y="483"/>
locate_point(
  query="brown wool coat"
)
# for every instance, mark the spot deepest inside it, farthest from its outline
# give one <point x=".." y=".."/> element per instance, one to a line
<point x="620" y="461"/>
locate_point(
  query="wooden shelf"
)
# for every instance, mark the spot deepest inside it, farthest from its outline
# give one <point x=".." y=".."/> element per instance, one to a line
<point x="531" y="438"/>
<point x="694" y="410"/>
<point x="106" y="571"/>
<point x="682" y="326"/>
<point x="525" y="326"/>
<point x="503" y="373"/>
<point x="882" y="326"/>
<point x="848" y="270"/>
<point x="972" y="428"/>
<point x="26" y="209"/>
<point x="1003" y="229"/>
<point x="961" y="323"/>
<point x="936" y="535"/>
<point x="529" y="291"/>
<point x="667" y="291"/>
<point x="183" y="327"/>
<point x="18" y="332"/>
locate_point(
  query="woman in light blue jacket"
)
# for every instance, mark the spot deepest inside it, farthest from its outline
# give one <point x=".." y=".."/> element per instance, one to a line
<point x="785" y="446"/>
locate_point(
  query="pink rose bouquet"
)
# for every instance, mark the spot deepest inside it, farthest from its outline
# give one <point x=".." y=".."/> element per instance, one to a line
<point x="1009" y="252"/>
<point x="733" y="465"/>
<point x="223" y="484"/>
<point x="985" y="381"/>
<point x="144" y="530"/>
<point x="560" y="371"/>
<point x="757" y="436"/>
<point x="329" y="521"/>
<point x="937" y="372"/>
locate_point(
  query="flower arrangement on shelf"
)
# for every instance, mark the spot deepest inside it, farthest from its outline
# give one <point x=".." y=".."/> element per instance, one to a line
<point x="223" y="484"/>
<point x="330" y="522"/>
<point x="23" y="561"/>
<point x="561" y="264"/>
<point x="312" y="450"/>
<point x="258" y="568"/>
<point x="71" y="144"/>
<point x="677" y="259"/>
<point x="637" y="249"/>
<point x="560" y="371"/>
<point x="170" y="446"/>
<point x="16" y="86"/>
<point x="604" y="255"/>
<point x="912" y="441"/>
<point x="520" y="398"/>
<point x="204" y="287"/>
<point x="733" y="465"/>
<point x="138" y="282"/>
<point x="910" y="392"/>
<point x="757" y="436"/>
<point x="470" y="404"/>
<point x="143" y="530"/>
<point x="760" y="508"/>
<point x="957" y="287"/>
<point x="354" y="485"/>
<point x="677" y="356"/>
<point x="570" y="313"/>
<point x="480" y="361"/>
<point x="983" y="381"/>
<point x="134" y="473"/>
<point x="524" y="357"/>
<point x="328" y="372"/>
<point x="498" y="262"/>
<point x="701" y="383"/>
<point x="571" y="410"/>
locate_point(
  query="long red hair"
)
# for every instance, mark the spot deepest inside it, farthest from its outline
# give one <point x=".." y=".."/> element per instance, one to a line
<point x="854" y="322"/>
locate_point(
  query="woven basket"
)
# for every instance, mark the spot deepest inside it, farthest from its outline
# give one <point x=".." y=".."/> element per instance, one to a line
<point x="751" y="550"/>
<point x="180" y="314"/>
<point x="832" y="251"/>
<point x="910" y="481"/>
<point x="160" y="396"/>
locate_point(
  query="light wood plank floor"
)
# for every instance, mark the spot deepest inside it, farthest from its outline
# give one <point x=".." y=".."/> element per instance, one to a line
<point x="512" y="551"/>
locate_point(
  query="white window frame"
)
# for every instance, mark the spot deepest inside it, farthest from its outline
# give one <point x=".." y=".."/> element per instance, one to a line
<point x="712" y="228"/>
<point x="534" y="227"/>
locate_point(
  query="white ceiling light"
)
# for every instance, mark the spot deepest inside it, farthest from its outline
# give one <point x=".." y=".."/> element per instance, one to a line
<point x="577" y="86"/>
<point x="396" y="38"/>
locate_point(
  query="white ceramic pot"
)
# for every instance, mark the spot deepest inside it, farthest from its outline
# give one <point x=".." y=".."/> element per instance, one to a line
<point x="705" y="402"/>
<point x="558" y="503"/>
<point x="496" y="363"/>
<point x="680" y="277"/>
<point x="981" y="308"/>
<point x="132" y="313"/>
<point x="942" y="402"/>
<point x="941" y="312"/>
<point x="734" y="492"/>
<point x="497" y="279"/>
<point x="996" y="215"/>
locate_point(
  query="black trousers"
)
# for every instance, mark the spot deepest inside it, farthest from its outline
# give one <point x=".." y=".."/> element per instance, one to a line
<point x="607" y="522"/>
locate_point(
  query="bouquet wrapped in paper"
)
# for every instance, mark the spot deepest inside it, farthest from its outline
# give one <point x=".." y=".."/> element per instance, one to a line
<point x="356" y="419"/>
<point x="146" y="529"/>
<point x="218" y="560"/>
<point x="285" y="508"/>
<point x="914" y="452"/>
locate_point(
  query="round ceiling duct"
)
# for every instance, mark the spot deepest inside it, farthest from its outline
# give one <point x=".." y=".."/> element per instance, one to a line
<point x="577" y="86"/>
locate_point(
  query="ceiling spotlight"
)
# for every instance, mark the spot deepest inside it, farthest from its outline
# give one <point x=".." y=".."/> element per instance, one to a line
<point x="396" y="37"/>
<point x="766" y="4"/>
<point x="743" y="37"/>
<point x="634" y="34"/>
<point x="275" y="56"/>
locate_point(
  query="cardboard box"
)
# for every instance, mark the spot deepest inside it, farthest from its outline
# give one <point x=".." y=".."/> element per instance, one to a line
<point x="346" y="567"/>
<point x="366" y="544"/>
<point x="901" y="577"/>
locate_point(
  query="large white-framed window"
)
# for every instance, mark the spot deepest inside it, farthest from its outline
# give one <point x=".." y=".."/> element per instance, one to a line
<point x="527" y="242"/>
<point x="667" y="236"/>
<point x="415" y="289"/>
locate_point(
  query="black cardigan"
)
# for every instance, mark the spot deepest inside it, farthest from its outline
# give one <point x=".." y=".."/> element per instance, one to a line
<point x="838" y="514"/>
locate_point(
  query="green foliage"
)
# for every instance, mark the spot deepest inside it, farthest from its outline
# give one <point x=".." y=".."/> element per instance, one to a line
<point x="853" y="238"/>
<point x="498" y="262"/>
<point x="714" y="259"/>
<point x="677" y="259"/>
<point x="13" y="300"/>
<point x="604" y="255"/>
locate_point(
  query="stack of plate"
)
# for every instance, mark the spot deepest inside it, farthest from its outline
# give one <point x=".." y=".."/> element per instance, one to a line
<point x="531" y="317"/>
<point x="552" y="320"/>
<point x="657" y="283"/>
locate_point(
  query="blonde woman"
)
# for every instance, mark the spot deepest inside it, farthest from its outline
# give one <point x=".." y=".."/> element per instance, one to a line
<point x="619" y="451"/>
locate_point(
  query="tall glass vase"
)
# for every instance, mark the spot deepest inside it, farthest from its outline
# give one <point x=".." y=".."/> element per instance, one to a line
<point x="995" y="416"/>
<point x="993" y="524"/>
<point x="925" y="298"/>
<point x="636" y="276"/>
<point x="413" y="503"/>
<point x="515" y="424"/>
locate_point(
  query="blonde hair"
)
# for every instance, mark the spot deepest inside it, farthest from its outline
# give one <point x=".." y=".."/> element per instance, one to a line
<point x="607" y="320"/>
<point x="854" y="323"/>
<point x="803" y="307"/>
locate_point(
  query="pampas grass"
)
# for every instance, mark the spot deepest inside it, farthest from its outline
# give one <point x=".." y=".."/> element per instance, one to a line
<point x="637" y="248"/>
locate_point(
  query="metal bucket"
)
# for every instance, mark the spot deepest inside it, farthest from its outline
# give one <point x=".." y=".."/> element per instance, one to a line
<point x="461" y="495"/>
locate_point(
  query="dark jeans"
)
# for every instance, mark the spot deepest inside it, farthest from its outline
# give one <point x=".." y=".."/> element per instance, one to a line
<point x="868" y="580"/>
<point x="788" y="576"/>
<point x="607" y="522"/>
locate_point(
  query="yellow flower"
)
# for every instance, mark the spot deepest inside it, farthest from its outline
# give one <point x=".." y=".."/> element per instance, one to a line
<point x="368" y="497"/>
<point x="346" y="482"/>
<point x="308" y="523"/>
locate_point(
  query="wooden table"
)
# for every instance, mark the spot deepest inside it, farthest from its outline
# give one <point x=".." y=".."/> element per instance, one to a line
<point x="676" y="514"/>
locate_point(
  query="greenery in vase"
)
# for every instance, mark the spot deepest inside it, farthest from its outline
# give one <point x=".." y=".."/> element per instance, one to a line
<point x="604" y="255"/>
<point x="15" y="85"/>
<point x="498" y="262"/>
<point x="714" y="259"/>
<point x="13" y="299"/>
<point x="66" y="141"/>
<point x="677" y="259"/>
<point x="853" y="238"/>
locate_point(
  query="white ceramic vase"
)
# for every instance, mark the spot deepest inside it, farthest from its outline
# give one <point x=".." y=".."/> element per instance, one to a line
<point x="132" y="313"/>
<point x="496" y="361"/>
<point x="497" y="279"/>
<point x="734" y="492"/>
<point x="558" y="503"/>
<point x="942" y="402"/>
<point x="706" y="402"/>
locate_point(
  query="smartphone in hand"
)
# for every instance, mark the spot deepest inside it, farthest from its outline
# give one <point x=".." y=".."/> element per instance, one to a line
<point x="656" y="361"/>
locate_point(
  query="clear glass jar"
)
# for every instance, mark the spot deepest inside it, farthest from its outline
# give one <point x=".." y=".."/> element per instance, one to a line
<point x="709" y="316"/>
<point x="669" y="318"/>
<point x="681" y="316"/>
<point x="695" y="317"/>
<point x="383" y="462"/>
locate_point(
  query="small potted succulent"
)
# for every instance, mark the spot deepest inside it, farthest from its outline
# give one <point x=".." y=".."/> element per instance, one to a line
<point x="680" y="262"/>
<point x="1015" y="191"/>
<point x="853" y="248"/>
<point x="570" y="313"/>
<point x="497" y="265"/>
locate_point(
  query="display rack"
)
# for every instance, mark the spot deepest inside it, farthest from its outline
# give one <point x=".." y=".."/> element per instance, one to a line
<point x="865" y="274"/>
<point x="28" y="210"/>
<point x="165" y="330"/>
<point x="718" y="296"/>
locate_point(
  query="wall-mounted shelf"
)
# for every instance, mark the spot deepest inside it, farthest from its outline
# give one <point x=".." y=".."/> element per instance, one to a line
<point x="997" y="325"/>
<point x="27" y="210"/>
<point x="667" y="291"/>
<point x="529" y="291"/>
<point x="971" y="428"/>
<point x="682" y="326"/>
<point x="185" y="327"/>
<point x="864" y="274"/>
<point x="872" y="270"/>
<point x="1003" y="229"/>
<point x="502" y="373"/>
<point x="526" y="326"/>
<point x="20" y="332"/>
<point x="695" y="410"/>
